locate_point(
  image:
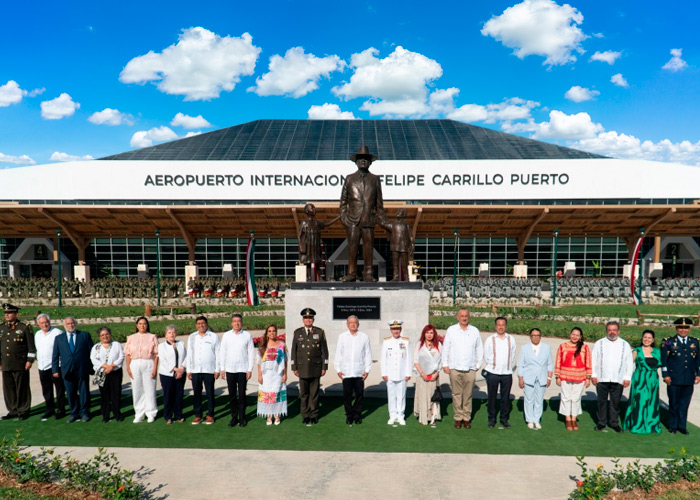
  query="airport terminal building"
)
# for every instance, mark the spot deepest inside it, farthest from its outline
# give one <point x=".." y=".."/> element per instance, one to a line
<point x="473" y="195"/>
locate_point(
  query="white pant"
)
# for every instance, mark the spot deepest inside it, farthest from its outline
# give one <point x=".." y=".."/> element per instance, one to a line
<point x="143" y="388"/>
<point x="534" y="401"/>
<point x="396" y="392"/>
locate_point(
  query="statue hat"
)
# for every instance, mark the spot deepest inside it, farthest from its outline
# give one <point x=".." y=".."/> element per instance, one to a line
<point x="363" y="152"/>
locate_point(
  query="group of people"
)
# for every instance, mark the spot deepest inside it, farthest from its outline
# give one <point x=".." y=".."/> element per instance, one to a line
<point x="67" y="359"/>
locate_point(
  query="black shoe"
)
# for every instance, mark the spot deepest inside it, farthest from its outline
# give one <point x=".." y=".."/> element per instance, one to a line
<point x="505" y="424"/>
<point x="60" y="415"/>
<point x="617" y="429"/>
<point x="672" y="431"/>
<point x="9" y="416"/>
<point x="85" y="418"/>
<point x="105" y="420"/>
<point x="306" y="421"/>
<point x="314" y="421"/>
<point x="684" y="431"/>
<point x="349" y="421"/>
<point x="232" y="423"/>
<point x="243" y="422"/>
<point x="599" y="428"/>
<point x="46" y="416"/>
<point x="72" y="419"/>
<point x="24" y="416"/>
<point x="358" y="420"/>
<point x="119" y="418"/>
<point x="492" y="425"/>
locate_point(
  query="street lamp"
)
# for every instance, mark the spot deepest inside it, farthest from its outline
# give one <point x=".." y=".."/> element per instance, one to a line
<point x="60" y="273"/>
<point x="640" y="278"/>
<point x="554" y="267"/>
<point x="158" y="265"/>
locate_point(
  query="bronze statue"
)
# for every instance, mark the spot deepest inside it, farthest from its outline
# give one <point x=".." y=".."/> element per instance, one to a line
<point x="361" y="204"/>
<point x="400" y="244"/>
<point x="310" y="238"/>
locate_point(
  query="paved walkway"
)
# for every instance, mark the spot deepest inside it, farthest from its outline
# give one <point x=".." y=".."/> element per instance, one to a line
<point x="203" y="474"/>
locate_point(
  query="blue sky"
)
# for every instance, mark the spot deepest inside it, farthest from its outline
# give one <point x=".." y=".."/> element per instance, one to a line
<point x="86" y="80"/>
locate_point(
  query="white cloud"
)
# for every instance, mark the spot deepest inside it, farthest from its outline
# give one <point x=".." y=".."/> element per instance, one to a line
<point x="619" y="80"/>
<point x="580" y="94"/>
<point x="676" y="63"/>
<point x="598" y="35"/>
<point x="627" y="146"/>
<point x="608" y="56"/>
<point x="539" y="27"/>
<point x="199" y="66"/>
<point x="109" y="116"/>
<point x="58" y="108"/>
<point x="329" y="112"/>
<point x="17" y="160"/>
<point x="192" y="134"/>
<point x="10" y="93"/>
<point x="58" y="156"/>
<point x="469" y="113"/>
<point x="396" y="85"/>
<point x="145" y="138"/>
<point x="296" y="74"/>
<point x="563" y="126"/>
<point x="189" y="122"/>
<point x="505" y="112"/>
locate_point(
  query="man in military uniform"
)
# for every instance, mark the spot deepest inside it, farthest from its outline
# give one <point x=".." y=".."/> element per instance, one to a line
<point x="309" y="357"/>
<point x="680" y="368"/>
<point x="396" y="369"/>
<point x="18" y="354"/>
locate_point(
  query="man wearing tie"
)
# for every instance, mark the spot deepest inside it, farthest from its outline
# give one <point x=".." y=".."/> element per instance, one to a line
<point x="71" y="360"/>
<point x="680" y="368"/>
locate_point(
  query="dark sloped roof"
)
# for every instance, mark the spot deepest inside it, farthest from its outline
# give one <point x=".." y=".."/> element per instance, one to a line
<point x="338" y="139"/>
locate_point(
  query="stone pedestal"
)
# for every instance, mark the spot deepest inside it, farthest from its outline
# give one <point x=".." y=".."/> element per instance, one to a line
<point x="520" y="271"/>
<point x="405" y="301"/>
<point x="627" y="271"/>
<point x="300" y="273"/>
<point x="656" y="270"/>
<point x="82" y="273"/>
<point x="191" y="272"/>
<point x="227" y="272"/>
<point x="569" y="269"/>
<point x="484" y="270"/>
<point x="142" y="270"/>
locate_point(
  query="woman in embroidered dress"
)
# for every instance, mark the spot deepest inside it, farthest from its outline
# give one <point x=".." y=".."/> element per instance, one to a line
<point x="643" y="412"/>
<point x="109" y="356"/>
<point x="428" y="362"/>
<point x="572" y="372"/>
<point x="272" y="376"/>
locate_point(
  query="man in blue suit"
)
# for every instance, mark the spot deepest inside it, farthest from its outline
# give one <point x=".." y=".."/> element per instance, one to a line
<point x="71" y="360"/>
<point x="534" y="376"/>
<point x="680" y="368"/>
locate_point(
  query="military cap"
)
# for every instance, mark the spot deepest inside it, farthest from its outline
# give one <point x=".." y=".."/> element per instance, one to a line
<point x="308" y="312"/>
<point x="683" y="322"/>
<point x="9" y="308"/>
<point x="395" y="323"/>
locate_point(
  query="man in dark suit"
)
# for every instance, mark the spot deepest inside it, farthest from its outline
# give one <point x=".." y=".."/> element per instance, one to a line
<point x="361" y="204"/>
<point x="680" y="368"/>
<point x="309" y="356"/>
<point x="71" y="360"/>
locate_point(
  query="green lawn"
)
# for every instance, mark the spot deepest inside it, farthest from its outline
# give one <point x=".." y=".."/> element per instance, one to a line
<point x="374" y="435"/>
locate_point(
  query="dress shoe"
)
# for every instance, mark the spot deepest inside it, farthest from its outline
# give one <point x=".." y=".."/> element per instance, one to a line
<point x="119" y="418"/>
<point x="46" y="416"/>
<point x="314" y="421"/>
<point x="105" y="420"/>
<point x="197" y="421"/>
<point x="458" y="424"/>
<point x="24" y="416"/>
<point x="60" y="415"/>
<point x="492" y="425"/>
<point x="530" y="425"/>
<point x="599" y="428"/>
<point x="358" y="420"/>
<point x="243" y="422"/>
<point x="169" y="422"/>
<point x="537" y="426"/>
<point x="349" y="421"/>
<point x="672" y="431"/>
<point x="85" y="418"/>
<point x="466" y="424"/>
<point x="72" y="419"/>
<point x="232" y="423"/>
<point x="617" y="429"/>
<point x="505" y="424"/>
<point x="9" y="416"/>
<point x="684" y="431"/>
<point x="209" y="420"/>
<point x="306" y="421"/>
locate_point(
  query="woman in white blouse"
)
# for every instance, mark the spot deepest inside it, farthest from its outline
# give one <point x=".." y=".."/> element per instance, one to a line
<point x="107" y="356"/>
<point x="171" y="367"/>
<point x="428" y="362"/>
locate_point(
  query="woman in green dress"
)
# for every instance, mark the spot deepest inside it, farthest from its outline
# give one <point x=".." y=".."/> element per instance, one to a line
<point x="643" y="412"/>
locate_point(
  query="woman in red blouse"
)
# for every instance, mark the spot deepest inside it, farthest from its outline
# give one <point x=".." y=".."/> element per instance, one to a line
<point x="572" y="372"/>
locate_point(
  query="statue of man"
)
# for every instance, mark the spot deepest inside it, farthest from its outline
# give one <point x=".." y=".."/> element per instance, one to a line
<point x="361" y="204"/>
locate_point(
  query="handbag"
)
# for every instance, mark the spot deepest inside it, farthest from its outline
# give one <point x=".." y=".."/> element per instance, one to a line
<point x="100" y="377"/>
<point x="437" y="395"/>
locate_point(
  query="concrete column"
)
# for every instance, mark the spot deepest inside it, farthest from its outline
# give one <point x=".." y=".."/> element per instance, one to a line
<point x="82" y="272"/>
<point x="191" y="272"/>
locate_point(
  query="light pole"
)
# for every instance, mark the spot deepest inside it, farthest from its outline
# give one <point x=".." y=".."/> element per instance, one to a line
<point x="454" y="269"/>
<point x="554" y="267"/>
<point x="60" y="273"/>
<point x="640" y="278"/>
<point x="158" y="265"/>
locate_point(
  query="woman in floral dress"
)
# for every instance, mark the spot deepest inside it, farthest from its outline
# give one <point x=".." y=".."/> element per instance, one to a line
<point x="272" y="376"/>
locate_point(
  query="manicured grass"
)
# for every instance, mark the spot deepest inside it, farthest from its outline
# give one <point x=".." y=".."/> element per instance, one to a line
<point x="593" y="310"/>
<point x="8" y="493"/>
<point x="374" y="435"/>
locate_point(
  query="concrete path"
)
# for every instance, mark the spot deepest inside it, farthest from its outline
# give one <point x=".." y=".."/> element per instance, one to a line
<point x="203" y="474"/>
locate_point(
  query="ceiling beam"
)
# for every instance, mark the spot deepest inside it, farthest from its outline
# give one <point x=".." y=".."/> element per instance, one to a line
<point x="80" y="241"/>
<point x="525" y="235"/>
